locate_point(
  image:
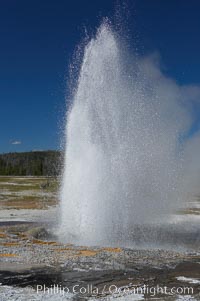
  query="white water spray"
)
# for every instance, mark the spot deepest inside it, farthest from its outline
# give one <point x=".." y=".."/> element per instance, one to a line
<point x="123" y="158"/>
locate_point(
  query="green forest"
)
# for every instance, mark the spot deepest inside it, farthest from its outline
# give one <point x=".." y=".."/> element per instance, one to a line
<point x="34" y="163"/>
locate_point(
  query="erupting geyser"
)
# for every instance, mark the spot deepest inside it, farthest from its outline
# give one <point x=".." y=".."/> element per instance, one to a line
<point x="123" y="155"/>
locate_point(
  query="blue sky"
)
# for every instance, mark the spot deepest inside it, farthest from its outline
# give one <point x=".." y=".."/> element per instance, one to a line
<point x="37" y="42"/>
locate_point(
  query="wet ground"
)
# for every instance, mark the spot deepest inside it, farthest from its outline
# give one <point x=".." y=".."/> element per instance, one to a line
<point x="30" y="258"/>
<point x="34" y="265"/>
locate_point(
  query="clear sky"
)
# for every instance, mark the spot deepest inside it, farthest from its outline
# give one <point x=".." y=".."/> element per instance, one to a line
<point x="37" y="41"/>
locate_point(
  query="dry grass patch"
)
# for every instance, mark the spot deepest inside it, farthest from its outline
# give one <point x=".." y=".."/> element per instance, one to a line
<point x="63" y="249"/>
<point x="29" y="202"/>
<point x="77" y="253"/>
<point x="10" y="244"/>
<point x="195" y="211"/>
<point x="8" y="255"/>
<point x="114" y="250"/>
<point x="3" y="235"/>
<point x="87" y="253"/>
<point x="42" y="242"/>
<point x="28" y="193"/>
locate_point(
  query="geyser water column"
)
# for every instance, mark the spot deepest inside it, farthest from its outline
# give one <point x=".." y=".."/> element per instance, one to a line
<point x="122" y="159"/>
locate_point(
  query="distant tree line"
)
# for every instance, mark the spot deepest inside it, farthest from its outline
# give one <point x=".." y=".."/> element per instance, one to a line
<point x="35" y="163"/>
